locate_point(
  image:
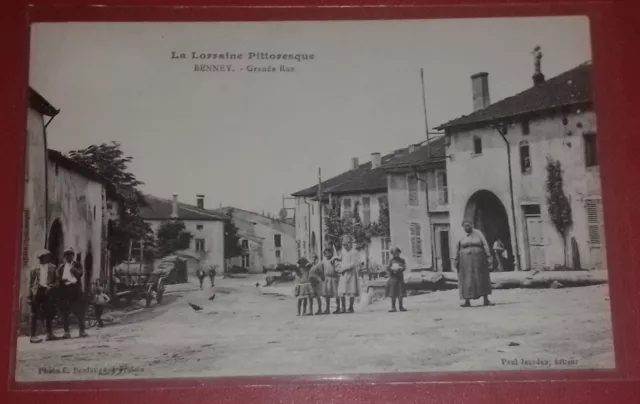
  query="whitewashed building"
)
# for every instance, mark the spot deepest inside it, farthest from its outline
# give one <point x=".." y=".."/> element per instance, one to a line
<point x="266" y="241"/>
<point x="418" y="206"/>
<point x="497" y="170"/>
<point x="206" y="226"/>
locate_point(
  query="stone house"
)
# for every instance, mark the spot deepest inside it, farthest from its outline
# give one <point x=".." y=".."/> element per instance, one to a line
<point x="418" y="206"/>
<point x="206" y="226"/>
<point x="266" y="241"/>
<point x="66" y="204"/>
<point x="496" y="166"/>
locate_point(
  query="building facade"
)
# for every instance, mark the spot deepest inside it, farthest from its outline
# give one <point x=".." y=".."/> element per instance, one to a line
<point x="266" y="241"/>
<point x="206" y="226"/>
<point x="419" y="206"/>
<point x="498" y="170"/>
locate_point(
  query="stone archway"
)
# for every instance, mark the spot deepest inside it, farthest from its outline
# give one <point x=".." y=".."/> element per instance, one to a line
<point x="55" y="242"/>
<point x="487" y="213"/>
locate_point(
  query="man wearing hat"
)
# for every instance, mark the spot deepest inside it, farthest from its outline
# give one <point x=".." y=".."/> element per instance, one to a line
<point x="70" y="275"/>
<point x="42" y="281"/>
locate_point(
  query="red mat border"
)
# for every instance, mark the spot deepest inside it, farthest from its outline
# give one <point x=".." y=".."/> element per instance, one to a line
<point x="616" y="67"/>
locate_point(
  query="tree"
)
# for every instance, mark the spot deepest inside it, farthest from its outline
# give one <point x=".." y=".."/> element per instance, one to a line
<point x="172" y="236"/>
<point x="109" y="161"/>
<point x="333" y="225"/>
<point x="558" y="204"/>
<point x="232" y="247"/>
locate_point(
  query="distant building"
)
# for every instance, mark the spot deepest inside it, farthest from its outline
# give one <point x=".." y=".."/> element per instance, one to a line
<point x="206" y="226"/>
<point x="498" y="181"/>
<point x="266" y="241"/>
<point x="418" y="206"/>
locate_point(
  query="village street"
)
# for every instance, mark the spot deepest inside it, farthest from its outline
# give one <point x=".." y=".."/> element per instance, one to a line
<point x="248" y="330"/>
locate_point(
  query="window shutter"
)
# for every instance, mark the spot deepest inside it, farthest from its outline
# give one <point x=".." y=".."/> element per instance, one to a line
<point x="594" y="221"/>
<point x="25" y="237"/>
<point x="416" y="239"/>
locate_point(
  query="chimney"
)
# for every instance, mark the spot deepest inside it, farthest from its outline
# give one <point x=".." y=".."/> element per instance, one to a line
<point x="376" y="160"/>
<point x="200" y="201"/>
<point x="480" y="90"/>
<point x="174" y="207"/>
<point x="538" y="77"/>
<point x="354" y="163"/>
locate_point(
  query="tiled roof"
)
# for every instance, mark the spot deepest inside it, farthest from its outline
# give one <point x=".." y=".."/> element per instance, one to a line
<point x="572" y="87"/>
<point x="364" y="178"/>
<point x="425" y="154"/>
<point x="161" y="209"/>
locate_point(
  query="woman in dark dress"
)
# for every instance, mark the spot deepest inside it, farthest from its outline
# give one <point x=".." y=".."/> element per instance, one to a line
<point x="395" y="283"/>
<point x="473" y="260"/>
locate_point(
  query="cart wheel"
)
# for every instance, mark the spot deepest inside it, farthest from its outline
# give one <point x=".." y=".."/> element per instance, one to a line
<point x="90" y="323"/>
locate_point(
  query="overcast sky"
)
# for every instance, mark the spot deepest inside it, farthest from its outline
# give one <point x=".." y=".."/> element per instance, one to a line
<point x="245" y="139"/>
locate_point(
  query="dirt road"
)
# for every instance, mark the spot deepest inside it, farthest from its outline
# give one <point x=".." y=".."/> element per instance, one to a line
<point x="252" y="331"/>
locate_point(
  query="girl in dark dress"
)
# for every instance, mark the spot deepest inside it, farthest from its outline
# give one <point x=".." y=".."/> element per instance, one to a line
<point x="395" y="283"/>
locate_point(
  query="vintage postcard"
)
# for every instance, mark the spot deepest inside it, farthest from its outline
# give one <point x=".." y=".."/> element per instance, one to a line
<point x="312" y="198"/>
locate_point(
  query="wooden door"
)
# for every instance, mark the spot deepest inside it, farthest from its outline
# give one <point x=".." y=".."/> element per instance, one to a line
<point x="535" y="241"/>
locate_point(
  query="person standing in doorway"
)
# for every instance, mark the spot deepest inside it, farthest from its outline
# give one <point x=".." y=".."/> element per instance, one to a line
<point x="500" y="256"/>
<point x="473" y="260"/>
<point x="395" y="289"/>
<point x="348" y="269"/>
<point x="70" y="274"/>
<point x="42" y="283"/>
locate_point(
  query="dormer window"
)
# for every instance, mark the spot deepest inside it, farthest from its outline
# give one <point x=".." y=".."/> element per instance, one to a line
<point x="525" y="127"/>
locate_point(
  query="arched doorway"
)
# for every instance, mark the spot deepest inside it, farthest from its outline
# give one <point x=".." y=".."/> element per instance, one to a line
<point x="55" y="242"/>
<point x="312" y="245"/>
<point x="488" y="214"/>
<point x="88" y="270"/>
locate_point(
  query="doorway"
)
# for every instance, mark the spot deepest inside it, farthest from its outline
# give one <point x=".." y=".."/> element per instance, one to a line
<point x="88" y="270"/>
<point x="55" y="242"/>
<point x="442" y="251"/>
<point x="487" y="213"/>
<point x="536" y="259"/>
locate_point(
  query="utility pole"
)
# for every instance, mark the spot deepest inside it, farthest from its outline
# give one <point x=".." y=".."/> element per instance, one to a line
<point x="320" y="209"/>
<point x="424" y="108"/>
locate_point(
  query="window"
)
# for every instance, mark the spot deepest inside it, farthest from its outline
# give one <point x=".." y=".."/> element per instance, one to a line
<point x="383" y="201"/>
<point x="366" y="210"/>
<point x="385" y="247"/>
<point x="199" y="227"/>
<point x="199" y="245"/>
<point x="590" y="150"/>
<point x="477" y="145"/>
<point x="346" y="205"/>
<point x="245" y="244"/>
<point x="531" y="210"/>
<point x="525" y="158"/>
<point x="594" y="221"/>
<point x="525" y="127"/>
<point x="412" y="185"/>
<point x="278" y="255"/>
<point x="277" y="240"/>
<point x="415" y="232"/>
<point x="442" y="187"/>
<point x="246" y="261"/>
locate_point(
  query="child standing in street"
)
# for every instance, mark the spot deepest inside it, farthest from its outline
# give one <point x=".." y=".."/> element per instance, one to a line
<point x="200" y="274"/>
<point x="101" y="299"/>
<point x="303" y="289"/>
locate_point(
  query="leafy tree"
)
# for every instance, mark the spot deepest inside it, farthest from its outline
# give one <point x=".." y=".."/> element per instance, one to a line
<point x="172" y="236"/>
<point x="333" y="225"/>
<point x="109" y="161"/>
<point x="558" y="204"/>
<point x="232" y="247"/>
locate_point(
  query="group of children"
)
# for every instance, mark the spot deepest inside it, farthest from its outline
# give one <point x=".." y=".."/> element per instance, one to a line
<point x="336" y="277"/>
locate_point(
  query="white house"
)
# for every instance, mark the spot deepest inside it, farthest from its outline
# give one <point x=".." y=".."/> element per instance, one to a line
<point x="206" y="226"/>
<point x="267" y="241"/>
<point x="497" y="170"/>
<point x="418" y="206"/>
